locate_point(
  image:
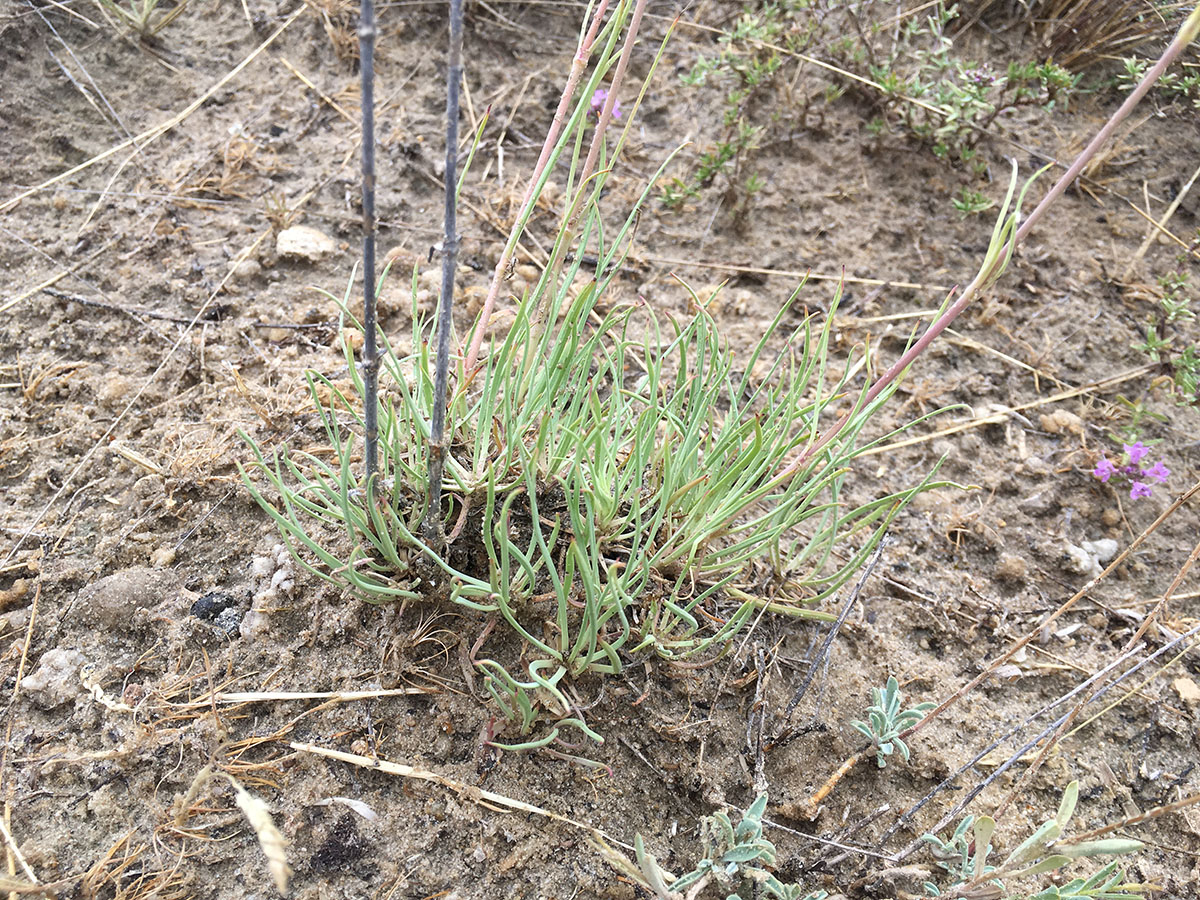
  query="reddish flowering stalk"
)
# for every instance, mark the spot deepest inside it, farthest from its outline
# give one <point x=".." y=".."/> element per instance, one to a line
<point x="995" y="267"/>
<point x="560" y="119"/>
<point x="606" y="111"/>
<point x="609" y="109"/>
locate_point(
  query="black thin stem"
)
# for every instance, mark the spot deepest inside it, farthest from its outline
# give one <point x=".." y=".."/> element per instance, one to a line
<point x="432" y="526"/>
<point x="370" y="356"/>
<point x="833" y="630"/>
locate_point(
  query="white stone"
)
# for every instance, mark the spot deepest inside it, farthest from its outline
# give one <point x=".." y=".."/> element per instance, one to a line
<point x="302" y="242"/>
<point x="56" y="679"/>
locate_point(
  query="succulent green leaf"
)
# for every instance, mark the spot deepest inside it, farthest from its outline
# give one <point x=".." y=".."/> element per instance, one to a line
<point x="1066" y="807"/>
<point x="1114" y="846"/>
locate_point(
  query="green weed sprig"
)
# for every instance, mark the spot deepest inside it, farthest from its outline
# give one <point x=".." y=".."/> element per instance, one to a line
<point x="142" y="17"/>
<point x="1169" y="337"/>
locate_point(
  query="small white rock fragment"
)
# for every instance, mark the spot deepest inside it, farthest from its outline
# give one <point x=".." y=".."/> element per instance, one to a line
<point x="1103" y="549"/>
<point x="1007" y="672"/>
<point x="56" y="679"/>
<point x="357" y="805"/>
<point x="1187" y="689"/>
<point x="303" y="242"/>
<point x="274" y="579"/>
<point x="1086" y="559"/>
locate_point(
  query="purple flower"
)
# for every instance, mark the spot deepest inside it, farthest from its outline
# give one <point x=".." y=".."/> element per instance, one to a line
<point x="1136" y="452"/>
<point x="1158" y="472"/>
<point x="980" y="76"/>
<point x="600" y="98"/>
<point x="1138" y="490"/>
<point x="1104" y="470"/>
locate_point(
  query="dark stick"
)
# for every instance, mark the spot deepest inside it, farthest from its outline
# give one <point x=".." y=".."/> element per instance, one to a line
<point x="833" y="630"/>
<point x="370" y="357"/>
<point x="431" y="527"/>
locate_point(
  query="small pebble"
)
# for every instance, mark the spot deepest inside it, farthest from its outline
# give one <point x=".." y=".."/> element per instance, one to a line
<point x="246" y="269"/>
<point x="211" y="605"/>
<point x="15" y="594"/>
<point x="1060" y="421"/>
<point x="228" y="621"/>
<point x="303" y="242"/>
<point x="56" y="679"/>
<point x="1011" y="568"/>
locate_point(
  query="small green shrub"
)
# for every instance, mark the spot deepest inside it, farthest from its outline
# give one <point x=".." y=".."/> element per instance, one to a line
<point x="619" y="483"/>
<point x="622" y="471"/>
<point x="735" y="857"/>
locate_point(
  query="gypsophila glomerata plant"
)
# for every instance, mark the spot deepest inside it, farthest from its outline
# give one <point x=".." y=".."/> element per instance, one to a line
<point x="736" y="860"/>
<point x="1132" y="472"/>
<point x="615" y="483"/>
<point x="886" y="721"/>
<point x="920" y="85"/>
<point x="1171" y="327"/>
<point x="961" y="98"/>
<point x="965" y="854"/>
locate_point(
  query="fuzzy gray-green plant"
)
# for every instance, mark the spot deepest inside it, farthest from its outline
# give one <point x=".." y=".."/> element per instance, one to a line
<point x="886" y="721"/>
<point x="966" y="852"/>
<point x="736" y="857"/>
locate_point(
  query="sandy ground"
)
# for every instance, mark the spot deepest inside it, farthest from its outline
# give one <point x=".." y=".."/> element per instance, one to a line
<point x="148" y="316"/>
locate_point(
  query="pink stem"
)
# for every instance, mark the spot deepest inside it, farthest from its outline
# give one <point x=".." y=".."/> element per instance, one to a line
<point x="609" y="103"/>
<point x="1185" y="36"/>
<point x="602" y="123"/>
<point x="560" y="118"/>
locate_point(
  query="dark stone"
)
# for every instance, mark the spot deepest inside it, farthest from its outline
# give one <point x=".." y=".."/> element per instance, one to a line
<point x="211" y="605"/>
